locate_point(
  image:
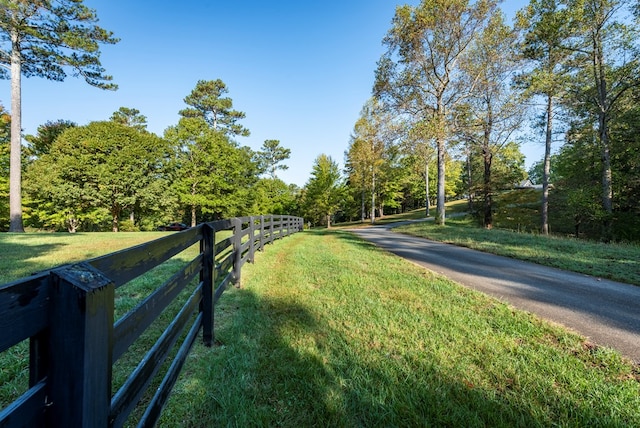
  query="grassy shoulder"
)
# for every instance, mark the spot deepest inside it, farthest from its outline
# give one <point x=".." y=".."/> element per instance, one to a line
<point x="620" y="262"/>
<point x="328" y="328"/>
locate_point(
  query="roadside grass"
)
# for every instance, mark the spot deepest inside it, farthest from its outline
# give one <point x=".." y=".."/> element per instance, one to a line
<point x="328" y="330"/>
<point x="619" y="262"/>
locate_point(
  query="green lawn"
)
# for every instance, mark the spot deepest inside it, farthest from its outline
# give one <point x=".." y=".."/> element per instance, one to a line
<point x="328" y="330"/>
<point x="27" y="253"/>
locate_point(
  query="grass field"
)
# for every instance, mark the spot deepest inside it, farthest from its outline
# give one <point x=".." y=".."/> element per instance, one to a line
<point x="328" y="330"/>
<point x="24" y="254"/>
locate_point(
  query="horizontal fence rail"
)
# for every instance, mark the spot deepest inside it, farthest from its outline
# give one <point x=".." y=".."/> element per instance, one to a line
<point x="67" y="316"/>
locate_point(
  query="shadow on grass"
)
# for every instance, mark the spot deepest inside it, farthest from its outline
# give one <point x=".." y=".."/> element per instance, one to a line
<point x="19" y="261"/>
<point x="278" y="363"/>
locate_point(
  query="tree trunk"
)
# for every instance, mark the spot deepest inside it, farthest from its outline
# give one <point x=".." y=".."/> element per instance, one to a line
<point x="488" y="158"/>
<point x="115" y="216"/>
<point x="547" y="167"/>
<point x="373" y="197"/>
<point x="328" y="221"/>
<point x="603" y="134"/>
<point x="114" y="222"/>
<point x="426" y="186"/>
<point x="194" y="220"/>
<point x="440" y="142"/>
<point x="607" y="187"/>
<point x="72" y="224"/>
<point x="15" y="168"/>
<point x="470" y="192"/>
<point x="488" y="194"/>
<point x="362" y="208"/>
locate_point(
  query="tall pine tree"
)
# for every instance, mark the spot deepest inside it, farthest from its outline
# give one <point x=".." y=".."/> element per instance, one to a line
<point x="45" y="39"/>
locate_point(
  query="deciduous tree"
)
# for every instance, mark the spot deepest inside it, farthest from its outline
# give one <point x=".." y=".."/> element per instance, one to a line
<point x="494" y="110"/>
<point x="212" y="174"/>
<point x="420" y="72"/>
<point x="324" y="190"/>
<point x="371" y="154"/>
<point x="101" y="166"/>
<point x="609" y="67"/>
<point x="547" y="46"/>
<point x="40" y="144"/>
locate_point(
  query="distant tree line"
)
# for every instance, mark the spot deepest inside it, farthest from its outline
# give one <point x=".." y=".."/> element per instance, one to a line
<point x="455" y="94"/>
<point x="115" y="175"/>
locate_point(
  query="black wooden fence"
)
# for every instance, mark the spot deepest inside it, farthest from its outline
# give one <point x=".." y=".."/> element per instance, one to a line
<point x="67" y="315"/>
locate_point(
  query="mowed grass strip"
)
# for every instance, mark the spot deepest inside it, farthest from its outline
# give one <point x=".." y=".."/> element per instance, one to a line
<point x="619" y="262"/>
<point x="327" y="330"/>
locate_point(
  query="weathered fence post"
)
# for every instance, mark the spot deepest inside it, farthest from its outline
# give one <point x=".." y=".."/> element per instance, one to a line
<point x="252" y="239"/>
<point x="207" y="244"/>
<point x="271" y="230"/>
<point x="237" y="250"/>
<point x="261" y="233"/>
<point x="80" y="347"/>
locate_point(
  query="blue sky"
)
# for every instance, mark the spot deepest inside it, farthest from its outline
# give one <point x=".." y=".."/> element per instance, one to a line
<point x="300" y="70"/>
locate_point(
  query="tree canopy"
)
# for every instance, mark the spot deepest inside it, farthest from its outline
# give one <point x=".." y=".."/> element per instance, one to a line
<point x="207" y="102"/>
<point x="324" y="190"/>
<point x="271" y="155"/>
<point x="101" y="169"/>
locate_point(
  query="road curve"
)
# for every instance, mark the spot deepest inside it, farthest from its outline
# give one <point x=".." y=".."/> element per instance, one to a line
<point x="606" y="312"/>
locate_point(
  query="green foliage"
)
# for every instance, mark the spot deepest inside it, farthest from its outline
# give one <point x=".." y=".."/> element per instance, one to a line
<point x="324" y="191"/>
<point x="103" y="167"/>
<point x="372" y="159"/>
<point x="270" y="156"/>
<point x="578" y="190"/>
<point x="40" y="144"/>
<point x="213" y="177"/>
<point x="422" y="73"/>
<point x="507" y="169"/>
<point x="274" y="196"/>
<point x="130" y="117"/>
<point x="206" y="102"/>
<point x="547" y="44"/>
<point x="45" y="39"/>
<point x="535" y="172"/>
<point x="52" y="36"/>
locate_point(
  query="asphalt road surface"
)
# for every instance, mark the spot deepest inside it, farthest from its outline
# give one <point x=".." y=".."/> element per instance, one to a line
<point x="606" y="312"/>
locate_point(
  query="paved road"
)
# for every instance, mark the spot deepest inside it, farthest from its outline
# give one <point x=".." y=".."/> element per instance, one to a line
<point x="606" y="312"/>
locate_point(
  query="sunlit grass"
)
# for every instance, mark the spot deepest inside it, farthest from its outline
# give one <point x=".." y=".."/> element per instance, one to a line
<point x="22" y="254"/>
<point x="620" y="262"/>
<point x="327" y="329"/>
